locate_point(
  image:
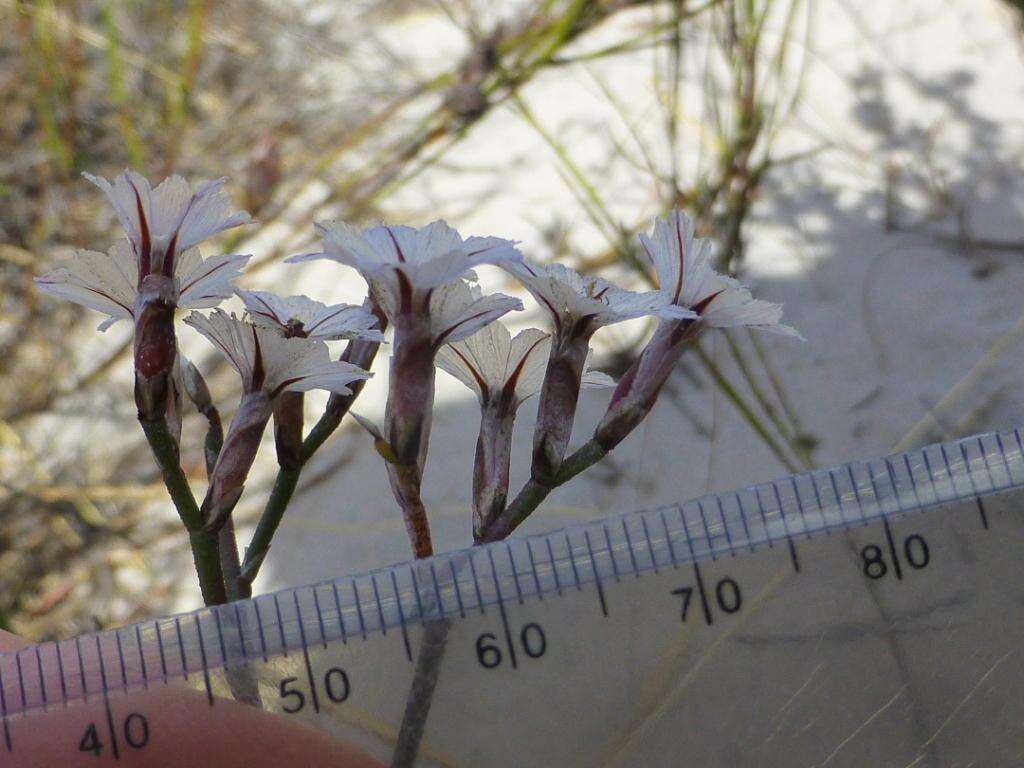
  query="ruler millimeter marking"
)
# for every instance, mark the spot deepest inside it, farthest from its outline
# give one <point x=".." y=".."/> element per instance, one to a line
<point x="457" y="584"/>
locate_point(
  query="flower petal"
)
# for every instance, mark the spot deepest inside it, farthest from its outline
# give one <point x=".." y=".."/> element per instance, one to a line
<point x="620" y="304"/>
<point x="455" y="360"/>
<point x="555" y="295"/>
<point x="684" y="267"/>
<point x="104" y="282"/>
<point x="232" y="337"/>
<point x="170" y="202"/>
<point x="343" y="321"/>
<point x="455" y="264"/>
<point x="569" y="296"/>
<point x="318" y="321"/>
<point x="300" y="365"/>
<point x="594" y="379"/>
<point x="682" y="261"/>
<point x="427" y="243"/>
<point x="265" y="308"/>
<point x="204" y="283"/>
<point x="528" y="360"/>
<point x="428" y="257"/>
<point x="129" y="194"/>
<point x="296" y="365"/>
<point x="457" y="311"/>
<point x="206" y="213"/>
<point x="736" y="307"/>
<point x="479" y="361"/>
<point x="171" y="212"/>
<point x="347" y="245"/>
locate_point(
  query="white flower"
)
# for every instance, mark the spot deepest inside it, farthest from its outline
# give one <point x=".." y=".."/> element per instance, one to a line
<point x="271" y="363"/>
<point x="108" y="282"/>
<point x="303" y="317"/>
<point x="458" y="310"/>
<point x="578" y="306"/>
<point x="683" y="265"/>
<point x="582" y="303"/>
<point x="164" y="222"/>
<point x="495" y="365"/>
<point x="403" y="265"/>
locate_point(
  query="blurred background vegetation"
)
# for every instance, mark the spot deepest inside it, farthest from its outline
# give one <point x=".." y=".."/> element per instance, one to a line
<point x="316" y="109"/>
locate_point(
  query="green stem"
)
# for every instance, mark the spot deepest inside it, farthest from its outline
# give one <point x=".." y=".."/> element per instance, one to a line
<point x="205" y="548"/>
<point x="118" y="95"/>
<point x="229" y="562"/>
<point x="162" y="444"/>
<point x="534" y="493"/>
<point x="284" y="488"/>
<point x="595" y="206"/>
<point x="206" y="555"/>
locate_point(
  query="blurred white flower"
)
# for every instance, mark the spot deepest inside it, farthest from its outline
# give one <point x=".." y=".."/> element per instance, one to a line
<point x="403" y="265"/>
<point x="302" y="317"/>
<point x="164" y="222"/>
<point x="500" y="368"/>
<point x="271" y="363"/>
<point x="108" y="282"/>
<point x="580" y="304"/>
<point x="683" y="265"/>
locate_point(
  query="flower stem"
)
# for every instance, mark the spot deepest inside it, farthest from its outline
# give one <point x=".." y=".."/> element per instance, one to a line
<point x="199" y="393"/>
<point x="359" y="353"/>
<point x="405" y="484"/>
<point x="206" y="555"/>
<point x="533" y="493"/>
<point x="205" y="548"/>
<point x="424" y="681"/>
<point x="229" y="563"/>
<point x="256" y="552"/>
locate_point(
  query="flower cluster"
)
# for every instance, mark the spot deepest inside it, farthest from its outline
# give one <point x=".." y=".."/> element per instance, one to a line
<point x="422" y="286"/>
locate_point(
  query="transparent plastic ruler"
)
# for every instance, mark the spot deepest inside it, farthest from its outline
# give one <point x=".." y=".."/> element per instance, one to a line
<point x="866" y="615"/>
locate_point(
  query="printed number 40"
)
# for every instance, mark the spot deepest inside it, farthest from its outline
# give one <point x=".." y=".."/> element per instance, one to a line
<point x="135" y="732"/>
